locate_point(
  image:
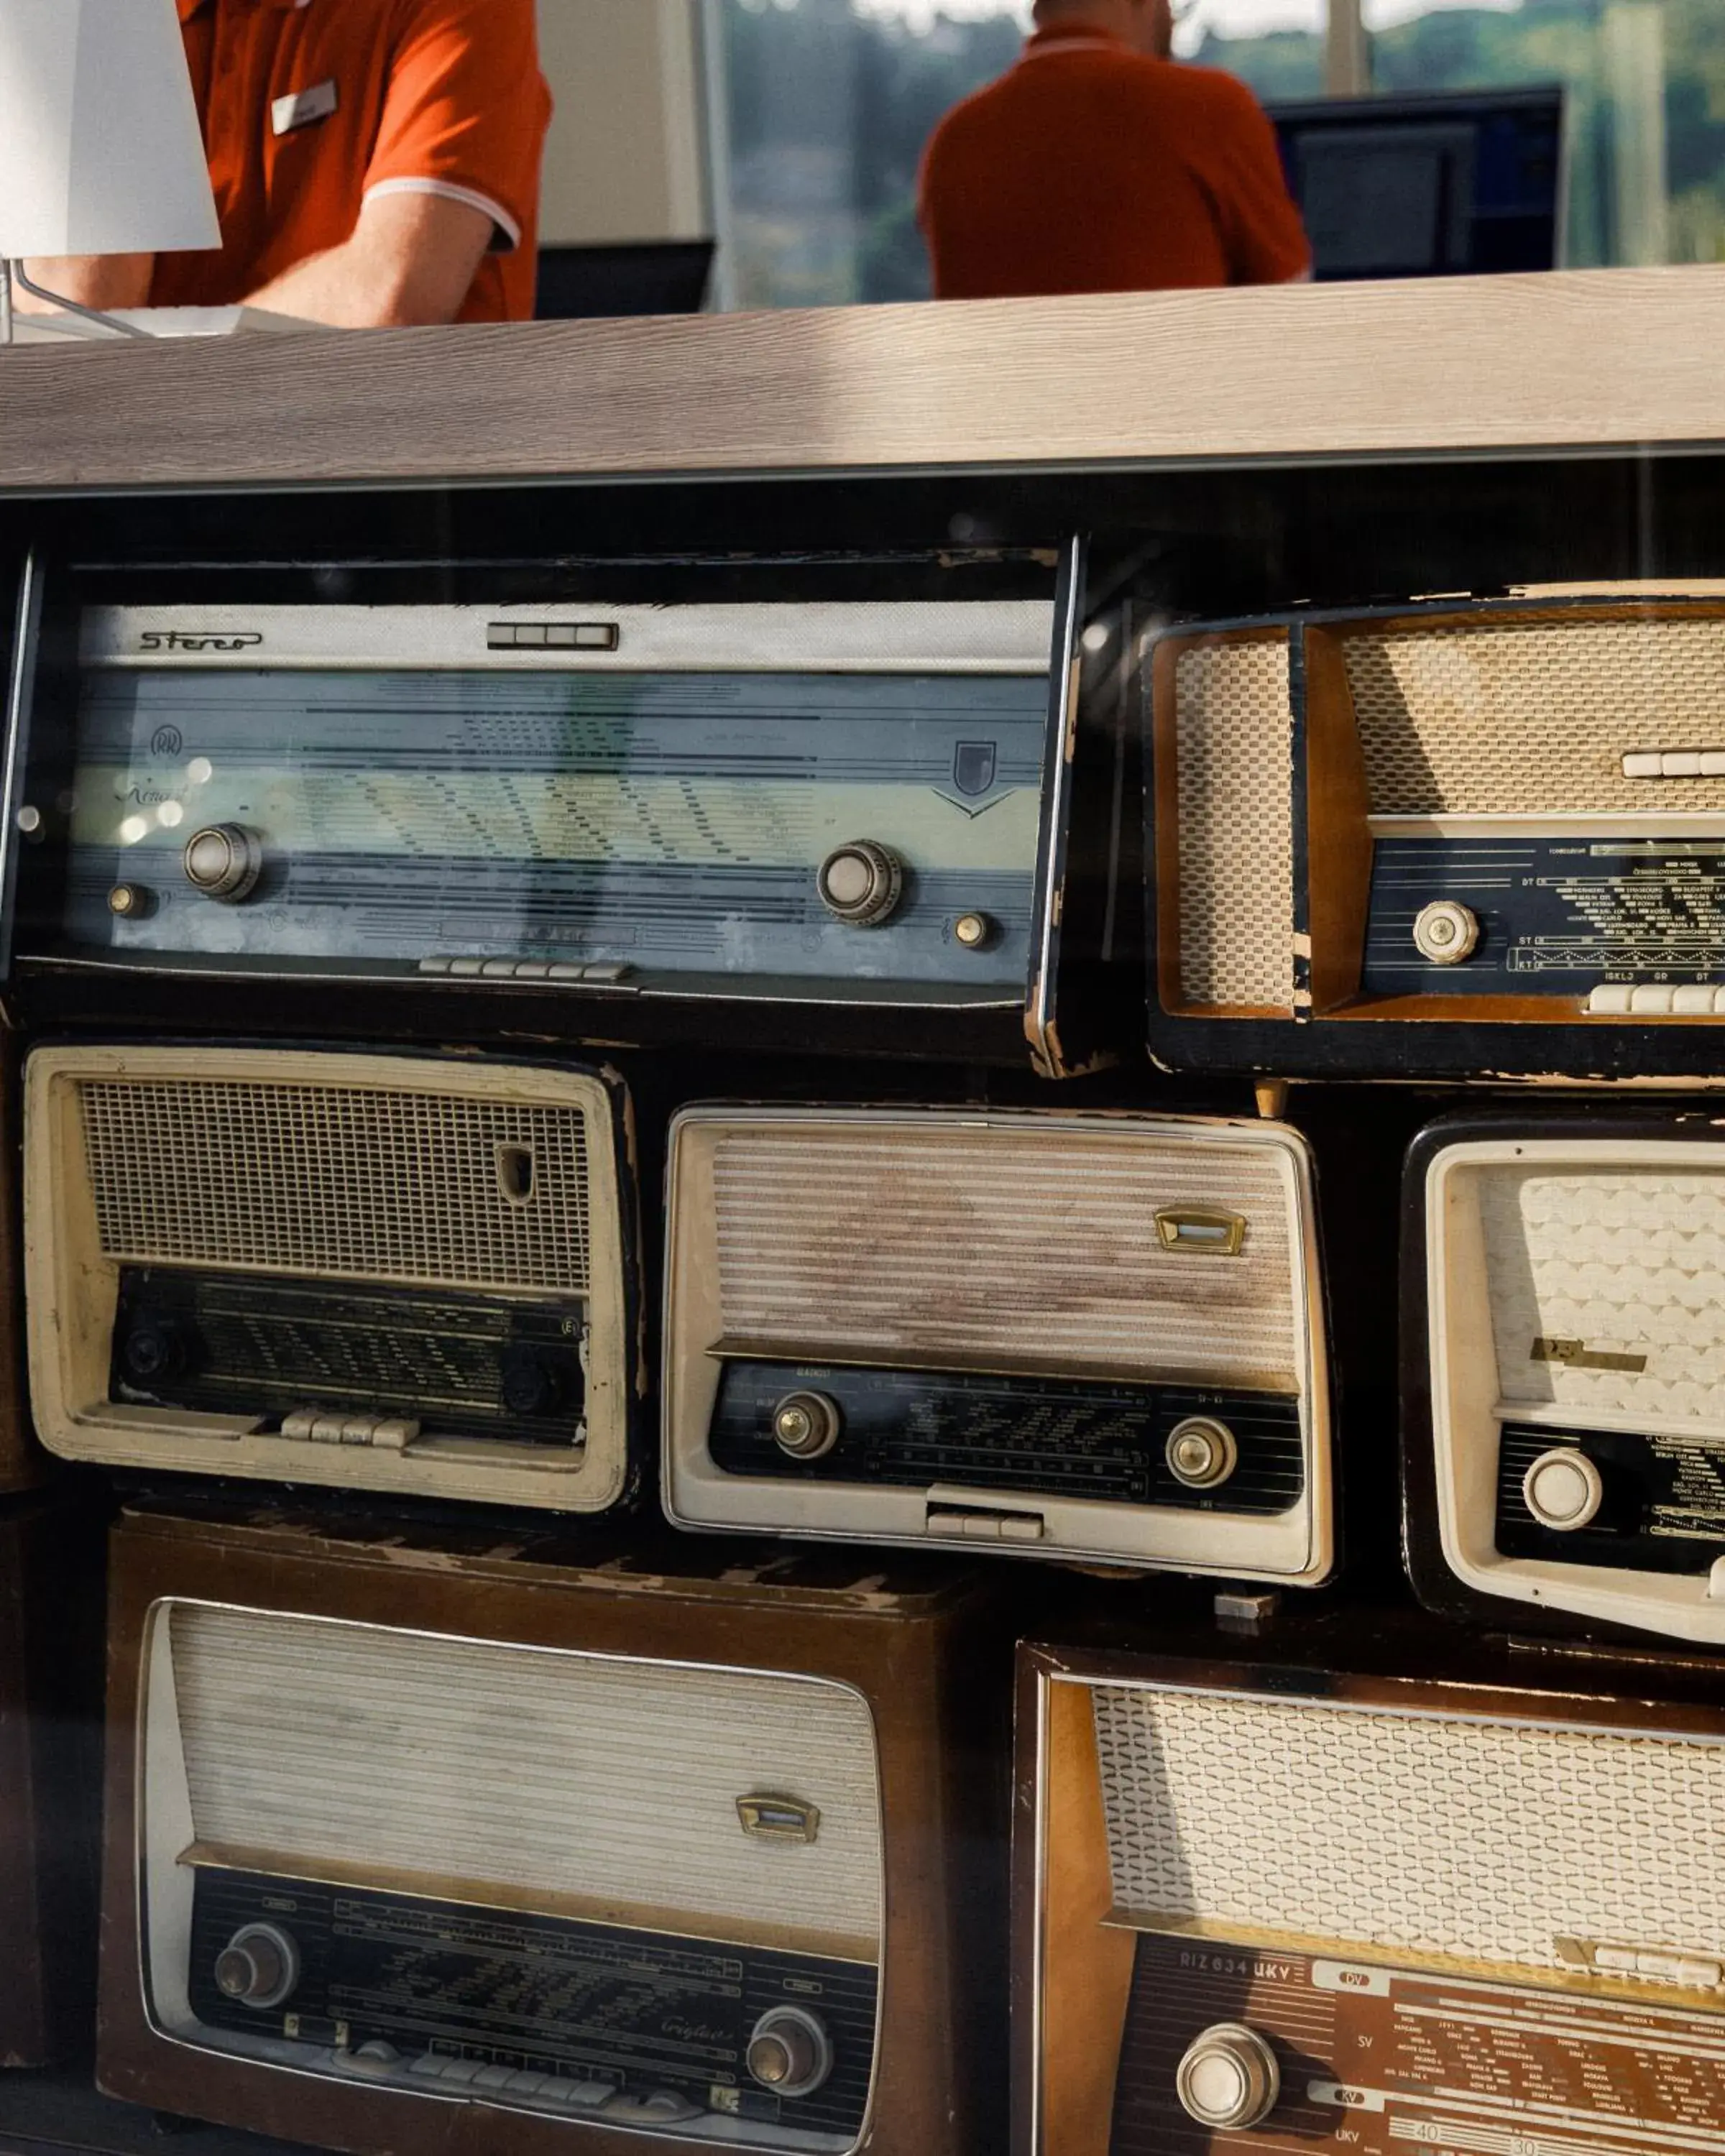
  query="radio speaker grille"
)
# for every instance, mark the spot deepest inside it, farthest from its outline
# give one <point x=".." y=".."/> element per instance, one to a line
<point x="1511" y="718"/>
<point x="552" y="1773"/>
<point x="994" y="1247"/>
<point x="332" y="1180"/>
<point x="1478" y="1840"/>
<point x="1233" y="750"/>
<point x="1619" y="1262"/>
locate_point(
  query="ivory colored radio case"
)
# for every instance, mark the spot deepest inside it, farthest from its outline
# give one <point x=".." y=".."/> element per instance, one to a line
<point x="1287" y="1906"/>
<point x="1083" y="1336"/>
<point x="427" y="1846"/>
<point x="1479" y="839"/>
<point x="398" y="1273"/>
<point x="1563" y="1381"/>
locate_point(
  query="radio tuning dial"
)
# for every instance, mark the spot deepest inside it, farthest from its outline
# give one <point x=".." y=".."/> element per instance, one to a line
<point x="861" y="882"/>
<point x="1446" y="932"/>
<point x="1229" y="2078"/>
<point x="258" y="1967"/>
<point x="532" y="1384"/>
<point x="155" y="1349"/>
<point x="1564" y="1489"/>
<point x="790" y="2051"/>
<point x="224" y="861"/>
<point x="807" y="1424"/>
<point x="1202" y="1452"/>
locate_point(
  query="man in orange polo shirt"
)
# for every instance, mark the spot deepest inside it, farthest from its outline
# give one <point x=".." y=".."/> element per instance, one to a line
<point x="1098" y="165"/>
<point x="375" y="162"/>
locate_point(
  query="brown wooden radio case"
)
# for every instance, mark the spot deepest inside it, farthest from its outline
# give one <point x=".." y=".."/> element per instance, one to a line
<point x="896" y="1663"/>
<point x="1478" y="839"/>
<point x="1340" y="1907"/>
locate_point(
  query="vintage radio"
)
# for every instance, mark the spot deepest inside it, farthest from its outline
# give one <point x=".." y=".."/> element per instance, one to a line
<point x="616" y="817"/>
<point x="1481" y="837"/>
<point x="1298" y="1908"/>
<point x="1081" y="1337"/>
<point x="401" y="1273"/>
<point x="50" y="1774"/>
<point x="411" y="1847"/>
<point x="1564" y="1383"/>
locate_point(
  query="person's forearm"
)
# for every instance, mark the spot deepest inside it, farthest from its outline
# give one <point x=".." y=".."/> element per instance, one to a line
<point x="92" y="280"/>
<point x="410" y="264"/>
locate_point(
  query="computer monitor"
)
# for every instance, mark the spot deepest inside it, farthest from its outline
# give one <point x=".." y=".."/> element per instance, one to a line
<point x="1453" y="184"/>
<point x="658" y="277"/>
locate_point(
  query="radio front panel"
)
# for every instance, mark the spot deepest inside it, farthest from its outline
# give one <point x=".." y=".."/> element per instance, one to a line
<point x="1564" y="1394"/>
<point x="1068" y="1337"/>
<point x="836" y="802"/>
<point x="1270" y="1907"/>
<point x="421" y="1844"/>
<point x="1479" y="840"/>
<point x="382" y="1272"/>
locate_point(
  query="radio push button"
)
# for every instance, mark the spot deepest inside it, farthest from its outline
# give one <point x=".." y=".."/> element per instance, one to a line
<point x="1446" y="932"/>
<point x="1202" y="1453"/>
<point x="224" y="861"/>
<point x="258" y="1967"/>
<point x="1229" y="2078"/>
<point x="1564" y="1489"/>
<point x="807" y="1424"/>
<point x="790" y="2051"/>
<point x="861" y="882"/>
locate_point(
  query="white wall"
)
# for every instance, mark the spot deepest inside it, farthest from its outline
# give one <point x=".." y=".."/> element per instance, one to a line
<point x="625" y="159"/>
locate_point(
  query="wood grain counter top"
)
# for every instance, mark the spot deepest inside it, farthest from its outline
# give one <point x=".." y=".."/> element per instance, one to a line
<point x="1578" y="362"/>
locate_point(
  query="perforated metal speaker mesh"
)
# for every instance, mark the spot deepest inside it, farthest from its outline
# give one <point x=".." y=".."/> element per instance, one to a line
<point x="1519" y="718"/>
<point x="1620" y="1261"/>
<point x="333" y="1180"/>
<point x="1234" y="741"/>
<point x="990" y="1245"/>
<point x="1485" y="1841"/>
<point x="547" y="1773"/>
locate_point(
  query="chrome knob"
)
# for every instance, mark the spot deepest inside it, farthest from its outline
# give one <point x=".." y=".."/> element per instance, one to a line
<point x="790" y="2051"/>
<point x="1202" y="1452"/>
<point x="224" y="861"/>
<point x="1446" y="932"/>
<point x="862" y="882"/>
<point x="258" y="1967"/>
<point x="1229" y="2078"/>
<point x="973" y="931"/>
<point x="807" y="1424"/>
<point x="1564" y="1489"/>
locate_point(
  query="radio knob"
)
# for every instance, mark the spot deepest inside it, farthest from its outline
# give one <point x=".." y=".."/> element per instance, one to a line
<point x="224" y="861"/>
<point x="807" y="1424"/>
<point x="128" y="901"/>
<point x="258" y="1967"/>
<point x="1202" y="1452"/>
<point x="156" y="1348"/>
<point x="532" y="1384"/>
<point x="790" y="2051"/>
<point x="1564" y="1489"/>
<point x="862" y="882"/>
<point x="1229" y="2078"/>
<point x="1446" y="932"/>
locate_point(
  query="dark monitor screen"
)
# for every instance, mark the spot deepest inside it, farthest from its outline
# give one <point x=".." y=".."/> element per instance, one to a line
<point x="668" y="277"/>
<point x="1448" y="185"/>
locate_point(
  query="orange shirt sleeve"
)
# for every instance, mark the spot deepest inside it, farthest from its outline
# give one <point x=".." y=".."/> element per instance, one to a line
<point x="467" y="110"/>
<point x="1261" y="230"/>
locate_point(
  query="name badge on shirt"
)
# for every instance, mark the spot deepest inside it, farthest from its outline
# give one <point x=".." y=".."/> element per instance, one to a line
<point x="299" y="108"/>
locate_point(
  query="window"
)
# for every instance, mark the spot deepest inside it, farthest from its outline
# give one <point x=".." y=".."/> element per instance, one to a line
<point x="821" y="109"/>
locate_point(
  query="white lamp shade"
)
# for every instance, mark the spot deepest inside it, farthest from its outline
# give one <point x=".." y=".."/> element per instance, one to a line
<point x="100" y="150"/>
